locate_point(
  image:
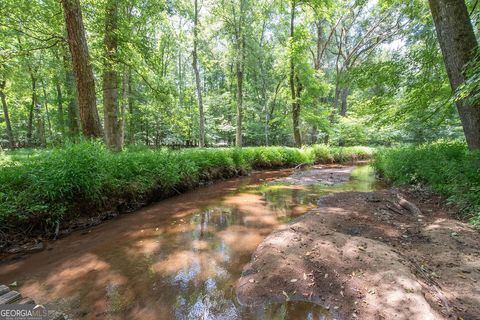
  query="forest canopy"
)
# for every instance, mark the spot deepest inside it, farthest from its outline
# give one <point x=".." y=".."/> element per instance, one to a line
<point x="215" y="73"/>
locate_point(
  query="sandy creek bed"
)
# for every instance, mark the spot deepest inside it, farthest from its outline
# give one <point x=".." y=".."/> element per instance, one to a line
<point x="361" y="255"/>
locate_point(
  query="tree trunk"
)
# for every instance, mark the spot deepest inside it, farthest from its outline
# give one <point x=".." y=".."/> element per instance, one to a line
<point x="239" y="70"/>
<point x="238" y="132"/>
<point x="201" y="138"/>
<point x="40" y="126"/>
<point x="31" y="110"/>
<point x="343" y="98"/>
<point x="72" y="112"/>
<point x="318" y="57"/>
<point x="82" y="68"/>
<point x="459" y="45"/>
<point x="47" y="113"/>
<point x="6" y="115"/>
<point x="123" y="107"/>
<point x="131" y="111"/>
<point x="61" y="119"/>
<point x="110" y="77"/>
<point x="295" y="91"/>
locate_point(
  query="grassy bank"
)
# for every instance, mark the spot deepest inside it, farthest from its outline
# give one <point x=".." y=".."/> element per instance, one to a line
<point x="39" y="189"/>
<point x="447" y="168"/>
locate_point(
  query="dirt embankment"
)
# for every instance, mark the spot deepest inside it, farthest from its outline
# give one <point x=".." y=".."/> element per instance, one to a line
<point x="328" y="176"/>
<point x="371" y="256"/>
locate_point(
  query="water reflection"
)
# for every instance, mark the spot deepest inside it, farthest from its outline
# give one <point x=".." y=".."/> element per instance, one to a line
<point x="173" y="262"/>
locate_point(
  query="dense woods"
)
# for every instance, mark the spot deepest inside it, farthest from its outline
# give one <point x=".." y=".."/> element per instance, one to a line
<point x="237" y="72"/>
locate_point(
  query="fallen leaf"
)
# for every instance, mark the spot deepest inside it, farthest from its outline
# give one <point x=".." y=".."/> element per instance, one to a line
<point x="251" y="280"/>
<point x="308" y="253"/>
<point x="294" y="280"/>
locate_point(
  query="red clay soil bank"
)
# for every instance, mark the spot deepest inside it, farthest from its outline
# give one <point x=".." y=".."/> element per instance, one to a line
<point x="363" y="256"/>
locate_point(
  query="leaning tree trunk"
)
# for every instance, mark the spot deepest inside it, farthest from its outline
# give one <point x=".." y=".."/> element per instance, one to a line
<point x="110" y="78"/>
<point x="459" y="45"/>
<point x="6" y="115"/>
<point x="201" y="138"/>
<point x="82" y="68"/>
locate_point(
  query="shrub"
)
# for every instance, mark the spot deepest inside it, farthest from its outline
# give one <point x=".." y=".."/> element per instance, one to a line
<point x="43" y="187"/>
<point x="447" y="168"/>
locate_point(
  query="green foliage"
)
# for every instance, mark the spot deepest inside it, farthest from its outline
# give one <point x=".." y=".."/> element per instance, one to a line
<point x="48" y="186"/>
<point x="445" y="167"/>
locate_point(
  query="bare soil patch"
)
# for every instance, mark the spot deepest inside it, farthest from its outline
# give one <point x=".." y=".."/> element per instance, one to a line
<point x="333" y="174"/>
<point x="365" y="256"/>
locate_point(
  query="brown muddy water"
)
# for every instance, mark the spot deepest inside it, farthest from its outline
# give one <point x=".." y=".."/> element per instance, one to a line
<point x="177" y="259"/>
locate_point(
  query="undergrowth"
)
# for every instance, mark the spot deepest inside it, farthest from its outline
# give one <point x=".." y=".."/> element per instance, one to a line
<point x="447" y="168"/>
<point x="39" y="189"/>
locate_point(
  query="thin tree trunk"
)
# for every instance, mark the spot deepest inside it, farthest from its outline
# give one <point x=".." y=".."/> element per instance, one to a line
<point x="293" y="90"/>
<point x="40" y="126"/>
<point x="317" y="61"/>
<point x="201" y="138"/>
<point x="123" y="107"/>
<point x="85" y="82"/>
<point x="31" y="110"/>
<point x="6" y="115"/>
<point x="59" y="98"/>
<point x="45" y="100"/>
<point x="61" y="119"/>
<point x="131" y="111"/>
<point x="72" y="111"/>
<point x="238" y="131"/>
<point x="343" y="98"/>
<point x="239" y="68"/>
<point x="110" y="77"/>
<point x="459" y="45"/>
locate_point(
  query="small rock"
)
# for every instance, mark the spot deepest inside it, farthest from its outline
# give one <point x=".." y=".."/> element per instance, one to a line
<point x="14" y="249"/>
<point x="36" y="247"/>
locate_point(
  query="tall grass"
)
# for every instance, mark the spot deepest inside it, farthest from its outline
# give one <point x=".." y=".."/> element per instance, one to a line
<point x="38" y="189"/>
<point x="447" y="168"/>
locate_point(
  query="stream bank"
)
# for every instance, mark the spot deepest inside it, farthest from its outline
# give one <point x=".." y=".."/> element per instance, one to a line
<point x="362" y="255"/>
<point x="177" y="259"/>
